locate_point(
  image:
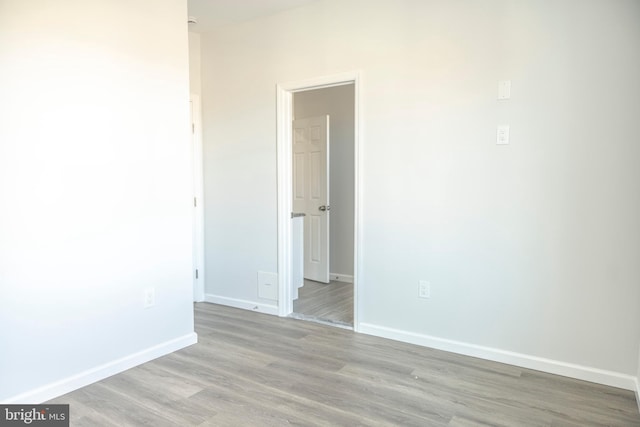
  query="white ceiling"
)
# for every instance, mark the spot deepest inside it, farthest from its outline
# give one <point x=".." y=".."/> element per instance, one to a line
<point x="212" y="14"/>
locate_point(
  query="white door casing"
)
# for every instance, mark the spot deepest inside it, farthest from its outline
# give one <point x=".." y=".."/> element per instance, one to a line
<point x="311" y="192"/>
<point x="284" y="117"/>
<point x="198" y="199"/>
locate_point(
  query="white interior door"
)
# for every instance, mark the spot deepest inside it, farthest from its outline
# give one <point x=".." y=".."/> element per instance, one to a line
<point x="311" y="192"/>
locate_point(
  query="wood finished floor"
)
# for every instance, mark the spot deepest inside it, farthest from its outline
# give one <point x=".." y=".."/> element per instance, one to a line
<point x="251" y="369"/>
<point x="331" y="302"/>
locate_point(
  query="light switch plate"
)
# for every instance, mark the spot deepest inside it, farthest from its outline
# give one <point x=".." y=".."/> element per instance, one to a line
<point x="503" y="135"/>
<point x="504" y="89"/>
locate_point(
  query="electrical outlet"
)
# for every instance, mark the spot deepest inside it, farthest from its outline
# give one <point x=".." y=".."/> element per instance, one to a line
<point x="149" y="297"/>
<point x="424" y="289"/>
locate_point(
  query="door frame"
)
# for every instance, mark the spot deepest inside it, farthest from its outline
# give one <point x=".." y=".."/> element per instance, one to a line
<point x="284" y="118"/>
<point x="198" y="199"/>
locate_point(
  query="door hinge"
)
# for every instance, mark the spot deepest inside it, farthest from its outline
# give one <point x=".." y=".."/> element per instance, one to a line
<point x="196" y="273"/>
<point x="193" y="128"/>
<point x="195" y="203"/>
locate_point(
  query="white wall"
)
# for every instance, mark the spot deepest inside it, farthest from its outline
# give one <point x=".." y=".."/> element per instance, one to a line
<point x="194" y="63"/>
<point x="338" y="103"/>
<point x="530" y="248"/>
<point x="94" y="190"/>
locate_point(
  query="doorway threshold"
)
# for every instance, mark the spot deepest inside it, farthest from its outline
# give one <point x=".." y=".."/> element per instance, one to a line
<point x="328" y="322"/>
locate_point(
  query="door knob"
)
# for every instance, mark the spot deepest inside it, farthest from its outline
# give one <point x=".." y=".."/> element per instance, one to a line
<point x="324" y="208"/>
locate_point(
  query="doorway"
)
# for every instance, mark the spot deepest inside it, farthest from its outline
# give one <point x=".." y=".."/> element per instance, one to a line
<point x="323" y="190"/>
<point x="285" y="116"/>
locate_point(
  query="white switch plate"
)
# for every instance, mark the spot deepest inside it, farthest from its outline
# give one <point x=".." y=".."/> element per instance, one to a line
<point x="504" y="89"/>
<point x="503" y="135"/>
<point x="267" y="285"/>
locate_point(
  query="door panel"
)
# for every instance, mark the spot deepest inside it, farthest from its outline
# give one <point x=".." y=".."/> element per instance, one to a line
<point x="298" y="176"/>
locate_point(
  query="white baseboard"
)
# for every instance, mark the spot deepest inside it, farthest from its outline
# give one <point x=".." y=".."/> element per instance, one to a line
<point x="610" y="378"/>
<point x="346" y="278"/>
<point x="58" y="388"/>
<point x="243" y="304"/>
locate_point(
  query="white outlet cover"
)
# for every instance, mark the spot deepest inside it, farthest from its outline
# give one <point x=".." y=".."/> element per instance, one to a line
<point x="267" y="285"/>
<point x="149" y="297"/>
<point x="424" y="289"/>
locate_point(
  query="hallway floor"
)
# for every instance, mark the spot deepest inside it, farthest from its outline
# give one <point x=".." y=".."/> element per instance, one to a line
<point x="332" y="302"/>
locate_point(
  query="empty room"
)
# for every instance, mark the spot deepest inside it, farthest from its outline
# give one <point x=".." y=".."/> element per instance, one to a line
<point x="320" y="212"/>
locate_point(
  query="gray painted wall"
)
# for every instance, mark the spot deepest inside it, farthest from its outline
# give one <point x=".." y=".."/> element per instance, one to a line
<point x="530" y="248"/>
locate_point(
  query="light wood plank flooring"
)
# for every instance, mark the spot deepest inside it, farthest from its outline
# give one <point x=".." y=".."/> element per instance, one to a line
<point x="251" y="369"/>
<point x="332" y="302"/>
